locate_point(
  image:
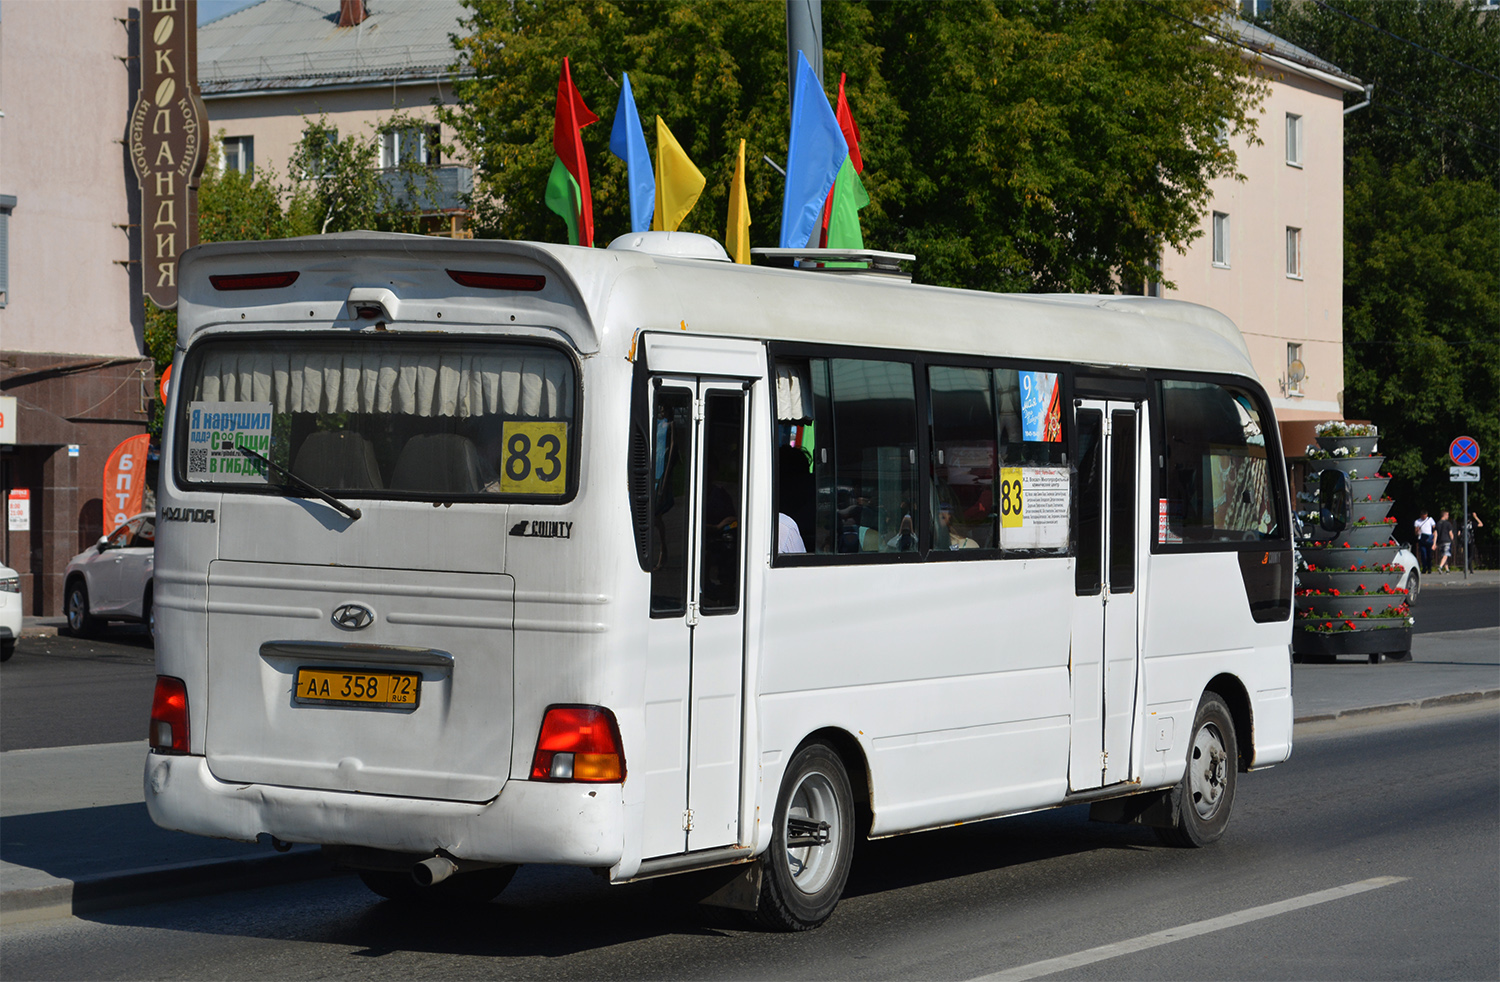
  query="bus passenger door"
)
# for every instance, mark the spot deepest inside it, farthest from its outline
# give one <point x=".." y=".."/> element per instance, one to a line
<point x="695" y="668"/>
<point x="1104" y="658"/>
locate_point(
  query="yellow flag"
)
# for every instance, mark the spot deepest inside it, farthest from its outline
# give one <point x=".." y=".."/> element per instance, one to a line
<point x="678" y="182"/>
<point x="737" y="231"/>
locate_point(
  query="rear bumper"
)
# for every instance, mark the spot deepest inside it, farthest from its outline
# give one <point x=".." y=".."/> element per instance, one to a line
<point x="528" y="822"/>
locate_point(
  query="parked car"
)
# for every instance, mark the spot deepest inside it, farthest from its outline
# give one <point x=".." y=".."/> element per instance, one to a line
<point x="112" y="580"/>
<point x="10" y="611"/>
<point x="1411" y="578"/>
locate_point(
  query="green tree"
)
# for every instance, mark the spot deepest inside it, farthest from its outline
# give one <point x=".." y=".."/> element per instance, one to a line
<point x="1012" y="145"/>
<point x="1421" y="232"/>
<point x="336" y="185"/>
<point x="1058" y="146"/>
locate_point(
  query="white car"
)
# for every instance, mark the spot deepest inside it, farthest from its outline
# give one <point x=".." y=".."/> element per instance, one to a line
<point x="10" y="611"/>
<point x="1411" y="576"/>
<point x="112" y="580"/>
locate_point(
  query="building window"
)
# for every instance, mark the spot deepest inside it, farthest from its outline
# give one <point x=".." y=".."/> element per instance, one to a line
<point x="417" y="144"/>
<point x="1295" y="370"/>
<point x="239" y="155"/>
<point x="1253" y="9"/>
<point x="1221" y="239"/>
<point x="7" y="203"/>
<point x="1294" y="139"/>
<point x="1294" y="252"/>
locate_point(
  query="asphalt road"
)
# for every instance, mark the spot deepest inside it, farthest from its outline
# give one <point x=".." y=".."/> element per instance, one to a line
<point x="66" y="691"/>
<point x="1408" y="814"/>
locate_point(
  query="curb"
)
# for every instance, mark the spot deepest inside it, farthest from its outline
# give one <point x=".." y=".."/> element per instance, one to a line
<point x="1431" y="702"/>
<point x="108" y="891"/>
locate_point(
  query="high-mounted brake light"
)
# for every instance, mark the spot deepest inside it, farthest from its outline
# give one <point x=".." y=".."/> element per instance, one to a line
<point x="498" y="281"/>
<point x="169" y="716"/>
<point x="578" y="743"/>
<point x="254" y="281"/>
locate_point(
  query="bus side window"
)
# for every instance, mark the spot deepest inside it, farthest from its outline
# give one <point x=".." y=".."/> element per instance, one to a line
<point x="875" y="443"/>
<point x="1216" y="480"/>
<point x="963" y="435"/>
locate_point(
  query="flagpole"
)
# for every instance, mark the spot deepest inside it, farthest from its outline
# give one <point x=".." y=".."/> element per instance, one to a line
<point x="804" y="32"/>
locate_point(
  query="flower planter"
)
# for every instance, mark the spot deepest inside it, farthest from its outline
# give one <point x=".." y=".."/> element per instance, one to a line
<point x="1338" y="559"/>
<point x="1363" y="466"/>
<point x="1358" y="446"/>
<point x="1345" y="581"/>
<point x="1371" y="511"/>
<point x="1365" y="536"/>
<point x="1395" y="640"/>
<point x="1348" y="605"/>
<point x="1368" y="488"/>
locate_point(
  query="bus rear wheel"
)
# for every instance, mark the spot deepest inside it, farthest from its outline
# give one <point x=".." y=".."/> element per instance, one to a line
<point x="478" y="886"/>
<point x="1207" y="789"/>
<point x="807" y="865"/>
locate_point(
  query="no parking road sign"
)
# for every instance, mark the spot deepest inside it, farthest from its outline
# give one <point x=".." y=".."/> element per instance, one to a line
<point x="1464" y="451"/>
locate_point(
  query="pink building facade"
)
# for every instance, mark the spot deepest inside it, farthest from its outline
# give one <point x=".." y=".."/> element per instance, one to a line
<point x="1271" y="256"/>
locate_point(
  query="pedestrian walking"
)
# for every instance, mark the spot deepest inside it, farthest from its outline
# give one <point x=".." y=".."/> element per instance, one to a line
<point x="1426" y="530"/>
<point x="1444" y="543"/>
<point x="1473" y="524"/>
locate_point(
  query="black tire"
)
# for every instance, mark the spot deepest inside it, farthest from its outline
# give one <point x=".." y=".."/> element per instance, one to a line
<point x="148" y="614"/>
<point x="1413" y="587"/>
<point x="478" y="886"/>
<point x="76" y="606"/>
<point x="1207" y="790"/>
<point x="7" y="648"/>
<point x="800" y="886"/>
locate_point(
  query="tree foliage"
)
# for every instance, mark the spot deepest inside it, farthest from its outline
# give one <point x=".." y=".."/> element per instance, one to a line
<point x="1421" y="232"/>
<point x="336" y="185"/>
<point x="1013" y="145"/>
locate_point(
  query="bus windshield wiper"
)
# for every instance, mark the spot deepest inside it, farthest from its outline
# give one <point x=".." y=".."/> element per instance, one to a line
<point x="298" y="482"/>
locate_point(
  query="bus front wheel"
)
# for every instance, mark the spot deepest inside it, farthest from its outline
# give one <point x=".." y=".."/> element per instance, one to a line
<point x="811" y="850"/>
<point x="1207" y="789"/>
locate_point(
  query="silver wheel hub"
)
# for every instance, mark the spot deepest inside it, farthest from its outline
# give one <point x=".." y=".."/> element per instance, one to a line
<point x="1208" y="771"/>
<point x="813" y="805"/>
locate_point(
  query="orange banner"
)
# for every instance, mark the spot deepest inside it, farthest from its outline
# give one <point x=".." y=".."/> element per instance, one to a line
<point x="125" y="481"/>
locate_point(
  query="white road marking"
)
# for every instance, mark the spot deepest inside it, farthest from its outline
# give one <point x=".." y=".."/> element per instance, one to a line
<point x="1103" y="952"/>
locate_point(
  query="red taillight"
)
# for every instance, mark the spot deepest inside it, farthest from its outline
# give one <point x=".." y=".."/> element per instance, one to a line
<point x="498" y="281"/>
<point x="578" y="743"/>
<point x="169" y="716"/>
<point x="254" y="281"/>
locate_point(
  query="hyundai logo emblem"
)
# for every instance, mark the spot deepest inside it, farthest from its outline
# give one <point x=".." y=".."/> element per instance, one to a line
<point x="352" y="617"/>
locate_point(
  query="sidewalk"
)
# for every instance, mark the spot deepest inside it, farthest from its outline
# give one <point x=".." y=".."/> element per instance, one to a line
<point x="75" y="837"/>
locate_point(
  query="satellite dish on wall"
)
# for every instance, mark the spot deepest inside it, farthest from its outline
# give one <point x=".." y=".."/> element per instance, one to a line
<point x="1296" y="371"/>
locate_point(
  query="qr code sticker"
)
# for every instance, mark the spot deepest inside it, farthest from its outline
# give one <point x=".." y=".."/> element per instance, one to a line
<point x="198" y="461"/>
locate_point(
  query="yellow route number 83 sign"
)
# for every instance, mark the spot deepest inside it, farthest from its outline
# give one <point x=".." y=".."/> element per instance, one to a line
<point x="1011" y="499"/>
<point x="534" y="459"/>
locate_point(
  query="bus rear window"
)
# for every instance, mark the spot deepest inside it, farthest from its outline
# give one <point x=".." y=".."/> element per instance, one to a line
<point x="381" y="418"/>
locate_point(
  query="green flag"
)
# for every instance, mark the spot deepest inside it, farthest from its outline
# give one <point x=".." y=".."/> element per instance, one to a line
<point x="849" y="197"/>
<point x="564" y="197"/>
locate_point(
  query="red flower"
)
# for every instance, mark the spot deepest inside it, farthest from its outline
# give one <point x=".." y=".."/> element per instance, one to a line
<point x="1335" y="593"/>
<point x="1349" y="625"/>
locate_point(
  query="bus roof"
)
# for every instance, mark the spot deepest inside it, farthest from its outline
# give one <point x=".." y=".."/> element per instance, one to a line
<point x="598" y="298"/>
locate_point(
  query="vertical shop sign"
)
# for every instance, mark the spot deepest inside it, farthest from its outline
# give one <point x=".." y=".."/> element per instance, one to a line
<point x="167" y="145"/>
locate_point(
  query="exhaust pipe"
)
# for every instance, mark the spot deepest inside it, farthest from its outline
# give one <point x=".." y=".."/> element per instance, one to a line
<point x="433" y="870"/>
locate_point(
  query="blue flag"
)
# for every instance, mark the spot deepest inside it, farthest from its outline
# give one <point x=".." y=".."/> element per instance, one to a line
<point x="815" y="153"/>
<point x="628" y="142"/>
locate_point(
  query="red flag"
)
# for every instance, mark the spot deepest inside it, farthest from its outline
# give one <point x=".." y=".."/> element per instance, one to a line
<point x="567" y="139"/>
<point x="850" y="130"/>
<point x="125" y="481"/>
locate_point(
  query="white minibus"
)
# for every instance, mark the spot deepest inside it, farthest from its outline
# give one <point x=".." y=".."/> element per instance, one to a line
<point x="473" y="554"/>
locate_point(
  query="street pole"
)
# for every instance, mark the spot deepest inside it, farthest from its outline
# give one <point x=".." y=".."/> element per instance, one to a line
<point x="1466" y="532"/>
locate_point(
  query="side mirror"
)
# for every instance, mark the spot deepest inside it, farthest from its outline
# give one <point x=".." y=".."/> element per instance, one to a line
<point x="103" y="543"/>
<point x="1333" y="502"/>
